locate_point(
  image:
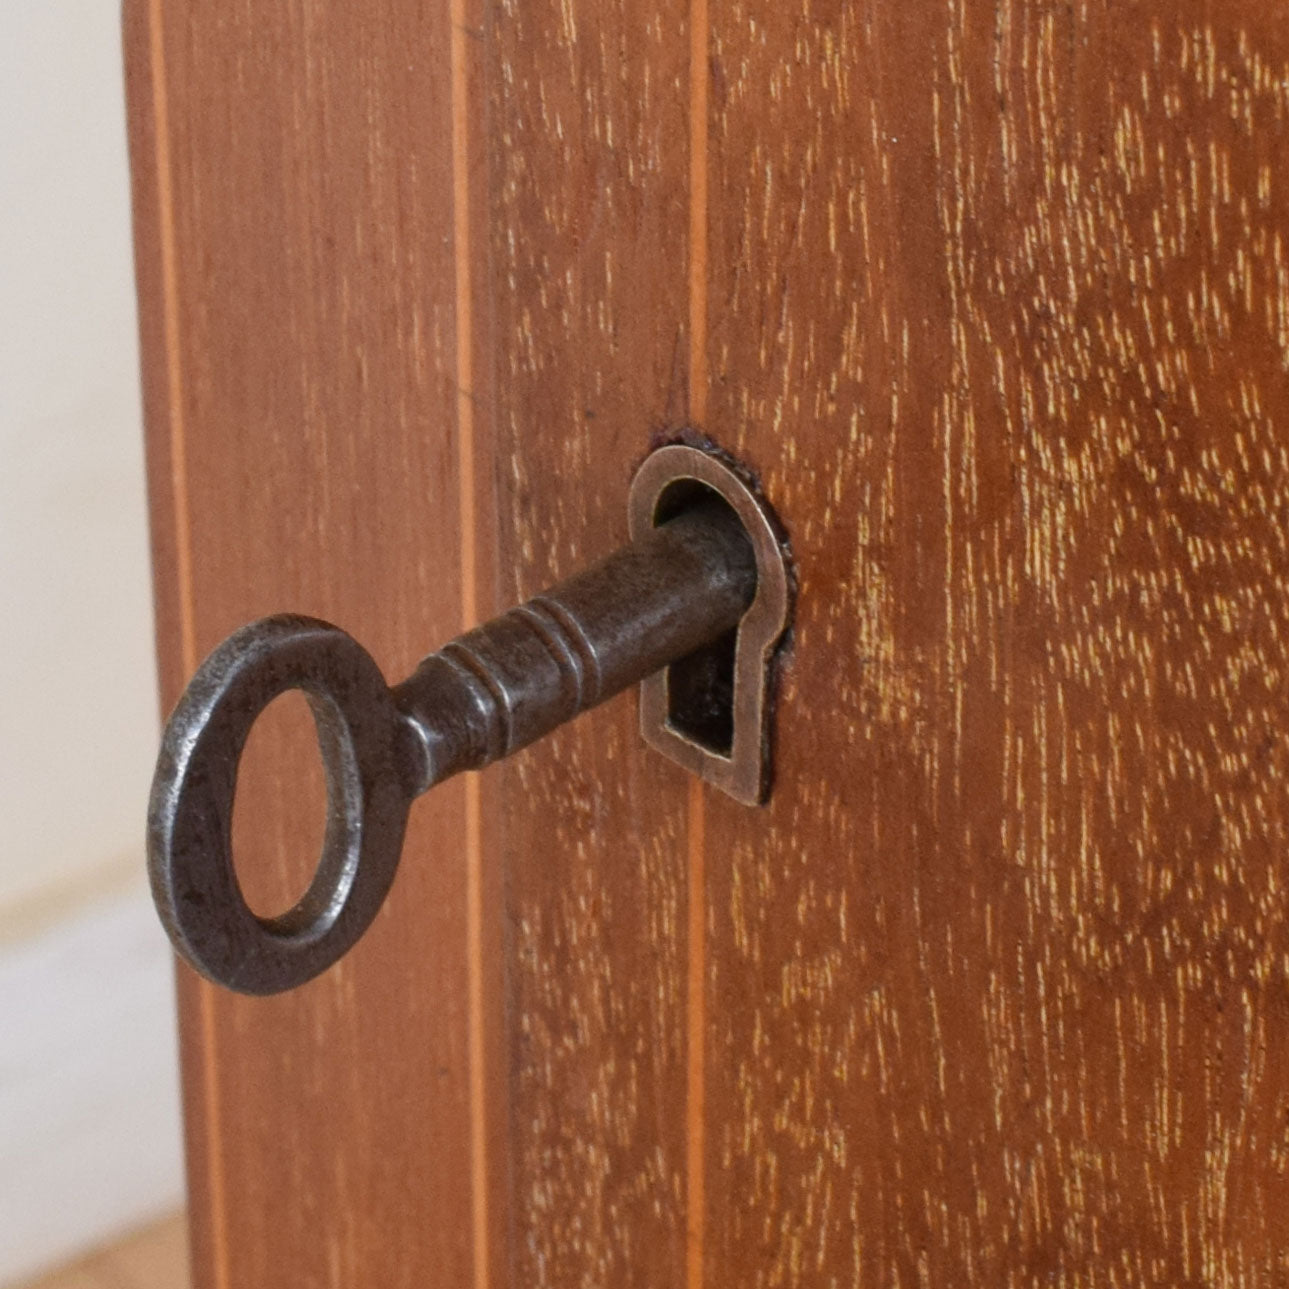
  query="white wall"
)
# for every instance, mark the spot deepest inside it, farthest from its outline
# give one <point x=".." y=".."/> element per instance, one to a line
<point x="78" y="720"/>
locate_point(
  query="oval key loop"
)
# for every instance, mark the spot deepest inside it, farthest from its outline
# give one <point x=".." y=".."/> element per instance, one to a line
<point x="190" y="816"/>
<point x="672" y="592"/>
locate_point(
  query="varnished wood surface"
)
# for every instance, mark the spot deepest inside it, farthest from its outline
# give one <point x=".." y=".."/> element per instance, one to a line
<point x="999" y="982"/>
<point x="294" y="180"/>
<point x="996" y="299"/>
<point x="587" y="217"/>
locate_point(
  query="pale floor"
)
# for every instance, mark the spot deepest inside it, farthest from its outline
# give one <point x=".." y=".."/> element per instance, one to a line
<point x="154" y="1258"/>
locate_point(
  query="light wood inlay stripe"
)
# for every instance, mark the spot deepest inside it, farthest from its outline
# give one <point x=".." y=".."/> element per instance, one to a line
<point x="696" y="987"/>
<point x="476" y="1037"/>
<point x="186" y="606"/>
<point x="174" y="361"/>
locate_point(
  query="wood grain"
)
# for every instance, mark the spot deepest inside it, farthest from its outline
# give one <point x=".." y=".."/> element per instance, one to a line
<point x="294" y="186"/>
<point x="995" y="297"/>
<point x="587" y="229"/>
<point x="999" y="982"/>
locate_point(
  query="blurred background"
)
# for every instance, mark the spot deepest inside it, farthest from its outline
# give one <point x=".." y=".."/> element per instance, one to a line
<point x="90" y="1157"/>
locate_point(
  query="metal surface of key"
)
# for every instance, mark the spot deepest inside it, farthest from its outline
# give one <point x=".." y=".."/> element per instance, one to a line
<point x="678" y="589"/>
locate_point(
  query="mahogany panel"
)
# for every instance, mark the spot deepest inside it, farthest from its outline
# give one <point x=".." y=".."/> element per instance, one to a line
<point x="588" y="219"/>
<point x="998" y="984"/>
<point x="294" y="206"/>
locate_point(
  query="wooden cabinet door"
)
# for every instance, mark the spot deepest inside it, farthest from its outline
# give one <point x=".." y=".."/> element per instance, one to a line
<point x="995" y="298"/>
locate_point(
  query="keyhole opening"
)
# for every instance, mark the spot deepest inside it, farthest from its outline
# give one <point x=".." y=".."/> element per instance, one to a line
<point x="700" y="686"/>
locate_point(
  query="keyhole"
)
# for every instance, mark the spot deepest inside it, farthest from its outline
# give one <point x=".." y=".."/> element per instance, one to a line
<point x="700" y="687"/>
